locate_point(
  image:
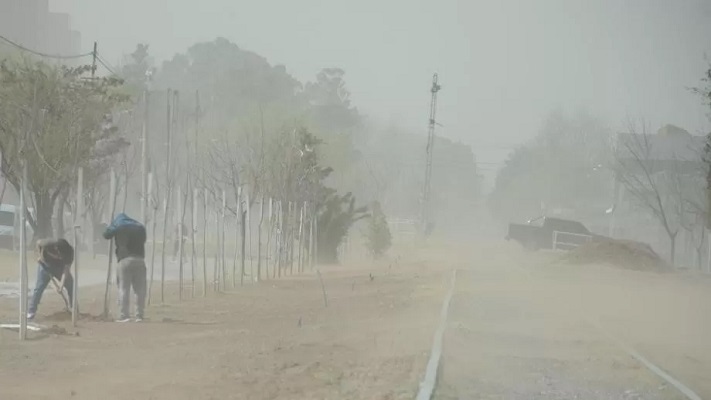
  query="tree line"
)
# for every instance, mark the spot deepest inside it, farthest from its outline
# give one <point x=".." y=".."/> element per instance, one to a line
<point x="578" y="167"/>
<point x="235" y="122"/>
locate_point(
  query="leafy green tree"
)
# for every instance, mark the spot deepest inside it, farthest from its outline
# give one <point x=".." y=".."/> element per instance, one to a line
<point x="232" y="81"/>
<point x="336" y="215"/>
<point x="138" y="70"/>
<point x="378" y="238"/>
<point x="56" y="120"/>
<point x="330" y="114"/>
<point x="330" y="101"/>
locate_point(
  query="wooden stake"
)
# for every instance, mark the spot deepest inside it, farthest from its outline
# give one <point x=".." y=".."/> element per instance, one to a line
<point x="145" y="191"/>
<point x="301" y="238"/>
<point x="77" y="244"/>
<point x="243" y="223"/>
<point x="125" y="186"/>
<point x="193" y="227"/>
<point x="169" y="180"/>
<point x="267" y="252"/>
<point x="181" y="233"/>
<point x="204" y="243"/>
<point x="166" y="202"/>
<point x="292" y="223"/>
<point x="312" y="241"/>
<point x="315" y="238"/>
<point x="323" y="288"/>
<point x="215" y="266"/>
<point x="112" y="211"/>
<point x="248" y="208"/>
<point x="154" y="222"/>
<point x="280" y="239"/>
<point x="222" y="247"/>
<point x="23" y="254"/>
<point x="259" y="238"/>
<point x="238" y="224"/>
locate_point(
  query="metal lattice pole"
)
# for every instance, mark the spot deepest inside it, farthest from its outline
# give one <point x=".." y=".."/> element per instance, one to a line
<point x="425" y="217"/>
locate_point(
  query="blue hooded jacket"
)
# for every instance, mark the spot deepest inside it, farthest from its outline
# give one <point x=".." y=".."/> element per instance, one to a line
<point x="129" y="236"/>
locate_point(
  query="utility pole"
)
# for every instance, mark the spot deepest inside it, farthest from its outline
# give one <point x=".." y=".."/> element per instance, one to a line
<point x="93" y="61"/>
<point x="425" y="217"/>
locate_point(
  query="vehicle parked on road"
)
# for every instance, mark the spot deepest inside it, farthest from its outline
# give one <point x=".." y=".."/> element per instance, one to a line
<point x="551" y="233"/>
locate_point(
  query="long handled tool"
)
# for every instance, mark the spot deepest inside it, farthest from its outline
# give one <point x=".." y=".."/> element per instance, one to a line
<point x="60" y="290"/>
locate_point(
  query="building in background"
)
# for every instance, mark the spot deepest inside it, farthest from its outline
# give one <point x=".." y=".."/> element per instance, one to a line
<point x="31" y="24"/>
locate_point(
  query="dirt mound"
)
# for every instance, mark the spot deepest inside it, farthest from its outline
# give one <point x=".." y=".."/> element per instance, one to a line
<point x="619" y="253"/>
<point x="63" y="316"/>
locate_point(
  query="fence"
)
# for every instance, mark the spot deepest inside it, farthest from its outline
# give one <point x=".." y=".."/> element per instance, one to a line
<point x="217" y="246"/>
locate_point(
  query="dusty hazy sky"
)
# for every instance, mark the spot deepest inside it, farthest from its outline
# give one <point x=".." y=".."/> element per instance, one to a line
<point x="503" y="65"/>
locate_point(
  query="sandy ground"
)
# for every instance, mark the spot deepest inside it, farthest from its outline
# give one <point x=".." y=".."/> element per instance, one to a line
<point x="523" y="328"/>
<point x="520" y="327"/>
<point x="266" y="341"/>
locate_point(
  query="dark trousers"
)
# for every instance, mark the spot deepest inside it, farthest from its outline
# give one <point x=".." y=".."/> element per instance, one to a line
<point x="43" y="279"/>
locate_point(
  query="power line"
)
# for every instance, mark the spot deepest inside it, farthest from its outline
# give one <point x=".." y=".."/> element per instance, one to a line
<point x="41" y="54"/>
<point x="105" y="64"/>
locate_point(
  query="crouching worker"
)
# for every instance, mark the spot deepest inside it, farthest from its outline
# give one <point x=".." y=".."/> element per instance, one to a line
<point x="129" y="238"/>
<point x="55" y="259"/>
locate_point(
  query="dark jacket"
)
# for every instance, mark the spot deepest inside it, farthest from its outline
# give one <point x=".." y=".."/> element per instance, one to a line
<point x="55" y="255"/>
<point x="129" y="237"/>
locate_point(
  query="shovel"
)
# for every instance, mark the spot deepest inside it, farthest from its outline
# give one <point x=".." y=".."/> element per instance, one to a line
<point x="60" y="290"/>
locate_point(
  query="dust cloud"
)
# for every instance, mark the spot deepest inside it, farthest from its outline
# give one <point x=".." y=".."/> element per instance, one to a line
<point x="308" y="194"/>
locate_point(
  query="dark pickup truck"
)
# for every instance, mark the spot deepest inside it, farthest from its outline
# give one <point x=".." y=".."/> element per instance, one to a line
<point x="551" y="233"/>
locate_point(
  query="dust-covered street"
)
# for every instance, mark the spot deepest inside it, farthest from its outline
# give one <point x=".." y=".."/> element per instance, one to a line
<point x="520" y="326"/>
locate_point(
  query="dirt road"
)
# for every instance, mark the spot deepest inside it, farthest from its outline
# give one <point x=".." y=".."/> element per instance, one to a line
<point x="521" y="328"/>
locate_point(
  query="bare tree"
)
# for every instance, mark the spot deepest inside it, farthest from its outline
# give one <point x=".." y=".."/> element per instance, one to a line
<point x="659" y="183"/>
<point x="694" y="209"/>
<point x="695" y="228"/>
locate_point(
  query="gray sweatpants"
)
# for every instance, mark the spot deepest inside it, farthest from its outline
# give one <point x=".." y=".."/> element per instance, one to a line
<point x="131" y="273"/>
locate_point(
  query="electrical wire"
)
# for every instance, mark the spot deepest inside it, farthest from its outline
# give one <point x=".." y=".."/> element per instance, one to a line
<point x="105" y="64"/>
<point x="41" y="54"/>
<point x="58" y="56"/>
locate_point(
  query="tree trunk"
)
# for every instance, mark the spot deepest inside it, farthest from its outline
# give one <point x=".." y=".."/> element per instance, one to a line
<point x="672" y="247"/>
<point x="43" y="216"/>
<point x="59" y="231"/>
<point x="326" y="245"/>
<point x="700" y="250"/>
<point x="327" y="252"/>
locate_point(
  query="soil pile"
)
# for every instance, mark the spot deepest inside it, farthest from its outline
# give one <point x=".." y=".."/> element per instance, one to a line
<point x="619" y="253"/>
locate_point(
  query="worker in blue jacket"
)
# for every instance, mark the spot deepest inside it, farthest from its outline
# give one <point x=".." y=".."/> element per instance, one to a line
<point x="129" y="238"/>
